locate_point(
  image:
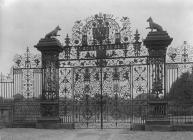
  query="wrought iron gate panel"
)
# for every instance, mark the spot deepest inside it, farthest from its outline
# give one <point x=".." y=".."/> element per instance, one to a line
<point x="87" y="97"/>
<point x="27" y="82"/>
<point x="175" y="71"/>
<point x="66" y="95"/>
<point x="27" y="87"/>
<point x="92" y="101"/>
<point x="117" y="92"/>
<point x="140" y="80"/>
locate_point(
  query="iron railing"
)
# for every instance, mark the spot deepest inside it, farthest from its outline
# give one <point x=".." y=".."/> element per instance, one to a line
<point x="23" y="83"/>
<point x="180" y="114"/>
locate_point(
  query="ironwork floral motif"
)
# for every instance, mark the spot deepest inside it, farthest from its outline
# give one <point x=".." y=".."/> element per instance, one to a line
<point x="27" y="60"/>
<point x="101" y="29"/>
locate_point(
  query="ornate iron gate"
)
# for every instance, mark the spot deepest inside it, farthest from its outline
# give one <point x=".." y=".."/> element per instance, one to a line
<point x="103" y="75"/>
<point x="107" y="79"/>
<point x="104" y="97"/>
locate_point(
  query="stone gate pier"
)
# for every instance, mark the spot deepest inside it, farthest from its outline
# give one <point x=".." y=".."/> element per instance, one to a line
<point x="49" y="101"/>
<point x="157" y="42"/>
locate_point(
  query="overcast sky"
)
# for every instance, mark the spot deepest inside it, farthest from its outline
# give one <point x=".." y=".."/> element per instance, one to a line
<point x="24" y="22"/>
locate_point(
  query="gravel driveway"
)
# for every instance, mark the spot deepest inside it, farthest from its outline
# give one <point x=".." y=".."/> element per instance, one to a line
<point x="89" y="134"/>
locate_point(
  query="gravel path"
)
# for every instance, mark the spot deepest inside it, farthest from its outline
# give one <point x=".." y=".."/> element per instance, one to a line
<point x="89" y="134"/>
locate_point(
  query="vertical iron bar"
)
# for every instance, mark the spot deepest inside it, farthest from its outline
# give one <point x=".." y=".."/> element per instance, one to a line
<point x="41" y="82"/>
<point x="14" y="79"/>
<point x="131" y="92"/>
<point x="132" y="117"/>
<point x="73" y="96"/>
<point x="13" y="83"/>
<point x="33" y="78"/>
<point x="6" y="89"/>
<point x="165" y="82"/>
<point x="1" y="84"/>
<point x="101" y="86"/>
<point x="21" y="83"/>
<point x="17" y="85"/>
<point x="148" y="87"/>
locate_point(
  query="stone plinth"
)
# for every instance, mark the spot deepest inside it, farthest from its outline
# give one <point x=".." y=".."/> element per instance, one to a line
<point x="48" y="123"/>
<point x="49" y="103"/>
<point x="6" y="115"/>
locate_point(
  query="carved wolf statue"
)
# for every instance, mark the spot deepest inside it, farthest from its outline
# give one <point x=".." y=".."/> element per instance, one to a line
<point x="53" y="33"/>
<point x="153" y="25"/>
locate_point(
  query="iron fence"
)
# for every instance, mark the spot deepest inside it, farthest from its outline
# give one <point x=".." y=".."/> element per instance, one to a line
<point x="22" y="83"/>
<point x="180" y="114"/>
<point x="26" y="111"/>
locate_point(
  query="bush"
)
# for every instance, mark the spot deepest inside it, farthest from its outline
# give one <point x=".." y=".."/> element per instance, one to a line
<point x="18" y="97"/>
<point x="181" y="91"/>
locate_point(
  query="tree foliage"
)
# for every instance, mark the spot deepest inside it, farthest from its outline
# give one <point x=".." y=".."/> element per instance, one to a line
<point x="181" y="90"/>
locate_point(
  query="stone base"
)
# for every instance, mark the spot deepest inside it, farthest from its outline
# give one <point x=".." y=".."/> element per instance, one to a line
<point x="55" y="126"/>
<point x="138" y="127"/>
<point x="47" y="126"/>
<point x="158" y="125"/>
<point x="53" y="123"/>
<point x="24" y="125"/>
<point x="158" y="122"/>
<point x="48" y="123"/>
<point x="6" y="115"/>
<point x="158" y="128"/>
<point x="67" y="126"/>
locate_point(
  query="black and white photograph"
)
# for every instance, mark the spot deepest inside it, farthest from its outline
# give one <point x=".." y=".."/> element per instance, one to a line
<point x="96" y="69"/>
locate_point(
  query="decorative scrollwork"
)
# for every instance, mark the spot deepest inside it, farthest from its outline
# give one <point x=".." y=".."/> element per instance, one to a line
<point x="101" y="29"/>
<point x="140" y="80"/>
<point x="182" y="53"/>
<point x="27" y="60"/>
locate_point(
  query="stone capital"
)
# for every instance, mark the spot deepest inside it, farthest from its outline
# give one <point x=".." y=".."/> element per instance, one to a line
<point x="49" y="45"/>
<point x="157" y="43"/>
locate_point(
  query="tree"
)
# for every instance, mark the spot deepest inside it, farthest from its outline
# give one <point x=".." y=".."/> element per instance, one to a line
<point x="181" y="90"/>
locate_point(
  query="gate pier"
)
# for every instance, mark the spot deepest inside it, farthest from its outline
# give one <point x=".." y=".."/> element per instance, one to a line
<point x="157" y="42"/>
<point x="49" y="100"/>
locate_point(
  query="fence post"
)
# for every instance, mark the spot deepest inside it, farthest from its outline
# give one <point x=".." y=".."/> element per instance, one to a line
<point x="49" y="103"/>
<point x="157" y="42"/>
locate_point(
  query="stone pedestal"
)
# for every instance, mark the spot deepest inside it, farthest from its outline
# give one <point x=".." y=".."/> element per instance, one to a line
<point x="157" y="43"/>
<point x="49" y="102"/>
<point x="6" y="115"/>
